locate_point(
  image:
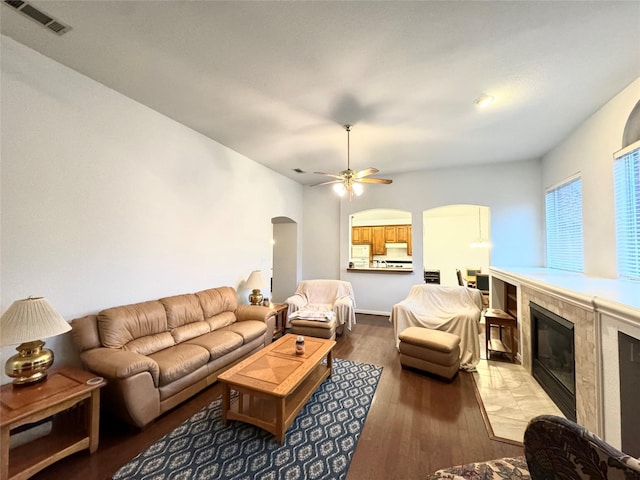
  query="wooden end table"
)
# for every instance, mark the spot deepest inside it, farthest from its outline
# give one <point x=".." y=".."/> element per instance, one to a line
<point x="274" y="383"/>
<point x="281" y="318"/>
<point x="63" y="389"/>
<point x="501" y="319"/>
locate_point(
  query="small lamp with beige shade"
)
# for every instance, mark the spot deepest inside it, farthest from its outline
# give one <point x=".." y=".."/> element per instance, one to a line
<point x="255" y="283"/>
<point x="25" y="322"/>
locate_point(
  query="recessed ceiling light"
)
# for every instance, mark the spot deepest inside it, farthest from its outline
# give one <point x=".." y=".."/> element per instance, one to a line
<point x="483" y="100"/>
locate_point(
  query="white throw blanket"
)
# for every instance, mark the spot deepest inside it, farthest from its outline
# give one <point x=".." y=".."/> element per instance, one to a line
<point x="317" y="315"/>
<point x="447" y="308"/>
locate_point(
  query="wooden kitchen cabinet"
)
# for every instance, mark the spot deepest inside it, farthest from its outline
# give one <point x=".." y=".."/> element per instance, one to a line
<point x="360" y="235"/>
<point x="378" y="244"/>
<point x="378" y="236"/>
<point x="390" y="234"/>
<point x="355" y="236"/>
<point x="402" y="233"/>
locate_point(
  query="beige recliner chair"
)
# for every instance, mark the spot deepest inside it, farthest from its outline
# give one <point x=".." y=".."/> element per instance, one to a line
<point x="321" y="308"/>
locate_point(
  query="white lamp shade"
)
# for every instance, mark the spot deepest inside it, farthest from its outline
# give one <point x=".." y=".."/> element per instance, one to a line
<point x="29" y="320"/>
<point x="256" y="281"/>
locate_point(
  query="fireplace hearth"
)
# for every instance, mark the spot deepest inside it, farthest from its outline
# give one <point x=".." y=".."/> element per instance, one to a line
<point x="553" y="360"/>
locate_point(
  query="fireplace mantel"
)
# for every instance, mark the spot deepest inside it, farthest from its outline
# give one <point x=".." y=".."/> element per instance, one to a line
<point x="595" y="306"/>
<point x="621" y="297"/>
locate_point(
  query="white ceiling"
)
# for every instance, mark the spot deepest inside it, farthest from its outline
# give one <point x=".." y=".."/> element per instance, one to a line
<point x="276" y="80"/>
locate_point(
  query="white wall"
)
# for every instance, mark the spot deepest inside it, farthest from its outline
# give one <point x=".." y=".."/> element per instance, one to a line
<point x="589" y="150"/>
<point x="510" y="190"/>
<point x="106" y="202"/>
<point x="320" y="233"/>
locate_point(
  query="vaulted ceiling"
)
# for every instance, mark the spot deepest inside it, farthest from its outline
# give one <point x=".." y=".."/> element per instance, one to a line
<point x="275" y="81"/>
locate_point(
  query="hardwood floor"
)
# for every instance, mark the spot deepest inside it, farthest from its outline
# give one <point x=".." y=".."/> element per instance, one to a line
<point x="416" y="424"/>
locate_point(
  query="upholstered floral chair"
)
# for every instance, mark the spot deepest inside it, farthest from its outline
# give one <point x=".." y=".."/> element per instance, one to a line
<point x="554" y="448"/>
<point x="559" y="448"/>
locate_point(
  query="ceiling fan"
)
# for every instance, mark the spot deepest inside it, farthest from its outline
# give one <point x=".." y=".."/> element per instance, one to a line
<point x="350" y="180"/>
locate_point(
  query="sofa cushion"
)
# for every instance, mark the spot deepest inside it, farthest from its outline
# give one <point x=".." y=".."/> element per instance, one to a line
<point x="217" y="300"/>
<point x="187" y="332"/>
<point x="221" y="320"/>
<point x="120" y="325"/>
<point x="179" y="360"/>
<point x="150" y="343"/>
<point x="182" y="310"/>
<point x="249" y="329"/>
<point x="218" y="343"/>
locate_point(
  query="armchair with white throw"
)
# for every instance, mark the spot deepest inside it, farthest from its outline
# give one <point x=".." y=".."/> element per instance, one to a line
<point x="452" y="309"/>
<point x="320" y="308"/>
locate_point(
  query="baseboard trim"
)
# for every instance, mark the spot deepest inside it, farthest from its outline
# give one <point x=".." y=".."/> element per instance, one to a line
<point x="374" y="312"/>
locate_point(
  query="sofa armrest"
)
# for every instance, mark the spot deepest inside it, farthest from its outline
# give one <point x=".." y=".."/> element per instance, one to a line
<point x="254" y="312"/>
<point x="113" y="363"/>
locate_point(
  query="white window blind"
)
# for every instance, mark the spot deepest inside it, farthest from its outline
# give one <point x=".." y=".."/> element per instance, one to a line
<point x="626" y="178"/>
<point x="563" y="206"/>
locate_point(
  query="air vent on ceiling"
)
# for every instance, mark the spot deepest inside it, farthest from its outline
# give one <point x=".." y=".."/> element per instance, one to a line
<point x="38" y="15"/>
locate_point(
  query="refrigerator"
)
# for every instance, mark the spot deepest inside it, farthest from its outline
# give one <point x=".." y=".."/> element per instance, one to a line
<point x="360" y="255"/>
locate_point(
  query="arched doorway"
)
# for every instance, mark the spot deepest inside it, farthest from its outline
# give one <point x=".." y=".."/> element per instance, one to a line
<point x="456" y="237"/>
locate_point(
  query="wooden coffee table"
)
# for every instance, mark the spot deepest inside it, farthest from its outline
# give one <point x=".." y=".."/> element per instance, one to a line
<point x="274" y="384"/>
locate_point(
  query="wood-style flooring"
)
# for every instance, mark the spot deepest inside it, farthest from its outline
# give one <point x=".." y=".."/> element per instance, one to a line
<point x="416" y="424"/>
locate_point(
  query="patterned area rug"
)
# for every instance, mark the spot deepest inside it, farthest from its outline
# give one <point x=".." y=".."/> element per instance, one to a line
<point x="319" y="444"/>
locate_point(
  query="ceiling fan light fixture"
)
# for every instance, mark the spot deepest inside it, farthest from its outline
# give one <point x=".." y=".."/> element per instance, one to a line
<point x="484" y="100"/>
<point x="350" y="181"/>
<point x="339" y="189"/>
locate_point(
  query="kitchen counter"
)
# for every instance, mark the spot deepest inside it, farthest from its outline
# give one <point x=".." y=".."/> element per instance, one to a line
<point x="380" y="270"/>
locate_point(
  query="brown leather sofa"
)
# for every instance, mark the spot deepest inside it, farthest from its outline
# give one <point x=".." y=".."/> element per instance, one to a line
<point x="156" y="354"/>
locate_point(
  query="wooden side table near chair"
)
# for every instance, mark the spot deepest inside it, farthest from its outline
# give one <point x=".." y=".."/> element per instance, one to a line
<point x="281" y="318"/>
<point x="495" y="317"/>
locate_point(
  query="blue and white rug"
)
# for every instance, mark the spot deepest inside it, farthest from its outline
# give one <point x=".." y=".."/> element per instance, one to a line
<point x="319" y="444"/>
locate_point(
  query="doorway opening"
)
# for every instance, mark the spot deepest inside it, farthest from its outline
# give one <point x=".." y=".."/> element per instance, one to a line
<point x="456" y="237"/>
<point x="284" y="268"/>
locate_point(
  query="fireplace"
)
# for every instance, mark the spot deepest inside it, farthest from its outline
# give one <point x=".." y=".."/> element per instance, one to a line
<point x="629" y="361"/>
<point x="553" y="357"/>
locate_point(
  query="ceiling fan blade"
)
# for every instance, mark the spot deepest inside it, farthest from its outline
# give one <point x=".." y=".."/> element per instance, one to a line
<point x="366" y="172"/>
<point x="326" y="183"/>
<point x="374" y="180"/>
<point x="328" y="175"/>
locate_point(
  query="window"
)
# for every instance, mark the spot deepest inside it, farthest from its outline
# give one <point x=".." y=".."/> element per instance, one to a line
<point x="563" y="206"/>
<point x="626" y="178"/>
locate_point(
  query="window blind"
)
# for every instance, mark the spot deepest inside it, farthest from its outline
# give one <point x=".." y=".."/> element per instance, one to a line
<point x="563" y="207"/>
<point x="626" y="178"/>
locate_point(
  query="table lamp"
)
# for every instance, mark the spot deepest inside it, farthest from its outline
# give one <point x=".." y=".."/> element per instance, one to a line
<point x="25" y="322"/>
<point x="255" y="282"/>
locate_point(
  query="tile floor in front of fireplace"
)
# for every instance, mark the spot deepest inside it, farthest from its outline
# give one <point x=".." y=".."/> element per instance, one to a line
<point x="511" y="397"/>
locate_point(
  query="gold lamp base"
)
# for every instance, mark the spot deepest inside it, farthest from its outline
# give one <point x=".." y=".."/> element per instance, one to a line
<point x="30" y="365"/>
<point x="256" y="297"/>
